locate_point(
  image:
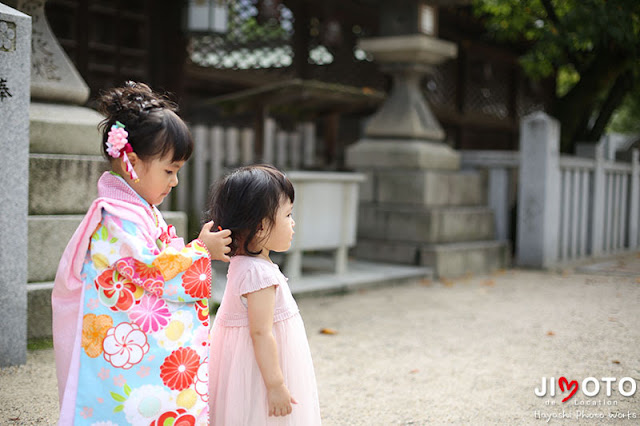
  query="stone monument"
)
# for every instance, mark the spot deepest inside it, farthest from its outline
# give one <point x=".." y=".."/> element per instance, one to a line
<point x="15" y="60"/>
<point x="65" y="162"/>
<point x="417" y="207"/>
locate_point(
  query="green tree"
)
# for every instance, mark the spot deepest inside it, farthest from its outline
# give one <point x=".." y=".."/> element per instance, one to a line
<point x="590" y="49"/>
<point x="627" y="118"/>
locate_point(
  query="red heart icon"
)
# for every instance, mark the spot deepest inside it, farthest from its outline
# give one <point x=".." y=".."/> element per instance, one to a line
<point x="562" y="381"/>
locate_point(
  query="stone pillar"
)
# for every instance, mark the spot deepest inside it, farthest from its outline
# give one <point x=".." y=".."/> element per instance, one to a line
<point x="15" y="66"/>
<point x="539" y="191"/>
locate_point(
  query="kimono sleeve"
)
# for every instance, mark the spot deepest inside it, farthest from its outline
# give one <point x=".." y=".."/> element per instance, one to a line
<point x="120" y="247"/>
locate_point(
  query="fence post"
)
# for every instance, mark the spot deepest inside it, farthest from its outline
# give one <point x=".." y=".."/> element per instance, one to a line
<point x="282" y="139"/>
<point x="634" y="218"/>
<point x="539" y="191"/>
<point x="216" y="147"/>
<point x="268" y="140"/>
<point x="599" y="204"/>
<point x="295" y="155"/>
<point x="247" y="146"/>
<point x="200" y="157"/>
<point x="308" y="144"/>
<point x="232" y="144"/>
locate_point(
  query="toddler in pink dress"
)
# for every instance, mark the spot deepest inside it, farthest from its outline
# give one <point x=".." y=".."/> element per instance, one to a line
<point x="260" y="367"/>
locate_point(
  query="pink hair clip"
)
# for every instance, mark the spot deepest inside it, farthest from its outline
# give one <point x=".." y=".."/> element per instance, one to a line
<point x="118" y="145"/>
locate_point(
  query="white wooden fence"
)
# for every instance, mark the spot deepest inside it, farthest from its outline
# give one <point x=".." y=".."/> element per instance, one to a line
<point x="219" y="149"/>
<point x="569" y="208"/>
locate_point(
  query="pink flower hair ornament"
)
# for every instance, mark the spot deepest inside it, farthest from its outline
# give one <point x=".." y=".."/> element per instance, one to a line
<point x="118" y="145"/>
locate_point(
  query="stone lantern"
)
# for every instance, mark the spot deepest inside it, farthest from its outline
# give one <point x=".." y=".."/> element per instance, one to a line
<point x="407" y="49"/>
<point x="417" y="206"/>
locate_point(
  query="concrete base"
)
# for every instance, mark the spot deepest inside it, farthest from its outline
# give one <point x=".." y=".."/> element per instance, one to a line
<point x="479" y="257"/>
<point x="447" y="260"/>
<point x="39" y="310"/>
<point x="64" y="129"/>
<point x="428" y="225"/>
<point x="402" y="154"/>
<point x="430" y="188"/>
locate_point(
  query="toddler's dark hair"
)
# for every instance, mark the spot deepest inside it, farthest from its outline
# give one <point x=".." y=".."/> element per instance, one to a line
<point x="240" y="201"/>
<point x="150" y="119"/>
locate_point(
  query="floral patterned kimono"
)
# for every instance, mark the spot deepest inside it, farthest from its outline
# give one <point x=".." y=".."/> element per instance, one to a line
<point x="130" y="317"/>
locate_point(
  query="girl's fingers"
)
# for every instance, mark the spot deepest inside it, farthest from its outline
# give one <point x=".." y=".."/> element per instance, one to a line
<point x="225" y="233"/>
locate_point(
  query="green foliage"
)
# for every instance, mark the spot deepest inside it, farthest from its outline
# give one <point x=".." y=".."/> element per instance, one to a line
<point x="590" y="48"/>
<point x="569" y="32"/>
<point x="567" y="78"/>
<point x="627" y="117"/>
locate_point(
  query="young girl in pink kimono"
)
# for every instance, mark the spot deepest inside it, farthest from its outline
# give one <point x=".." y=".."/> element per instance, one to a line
<point x="130" y="313"/>
<point x="261" y="372"/>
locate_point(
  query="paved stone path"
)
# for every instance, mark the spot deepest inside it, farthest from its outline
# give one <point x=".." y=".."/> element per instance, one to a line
<point x="467" y="351"/>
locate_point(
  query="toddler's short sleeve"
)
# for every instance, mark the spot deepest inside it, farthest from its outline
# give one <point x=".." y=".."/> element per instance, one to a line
<point x="258" y="276"/>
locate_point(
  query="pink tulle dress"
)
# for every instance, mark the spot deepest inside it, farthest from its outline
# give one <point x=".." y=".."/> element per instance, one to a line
<point x="238" y="394"/>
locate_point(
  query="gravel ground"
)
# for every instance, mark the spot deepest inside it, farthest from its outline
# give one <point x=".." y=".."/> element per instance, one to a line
<point x="467" y="351"/>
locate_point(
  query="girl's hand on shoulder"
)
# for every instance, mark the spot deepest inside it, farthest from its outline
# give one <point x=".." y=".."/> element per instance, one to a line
<point x="217" y="242"/>
<point x="280" y="401"/>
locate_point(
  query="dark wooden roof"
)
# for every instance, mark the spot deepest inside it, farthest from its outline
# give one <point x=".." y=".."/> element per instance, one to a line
<point x="298" y="98"/>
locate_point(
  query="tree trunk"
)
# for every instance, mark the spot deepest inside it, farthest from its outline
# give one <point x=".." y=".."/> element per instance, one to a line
<point x="616" y="95"/>
<point x="574" y="109"/>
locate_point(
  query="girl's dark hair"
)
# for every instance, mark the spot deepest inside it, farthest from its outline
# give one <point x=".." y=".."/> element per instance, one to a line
<point x="154" y="128"/>
<point x="242" y="199"/>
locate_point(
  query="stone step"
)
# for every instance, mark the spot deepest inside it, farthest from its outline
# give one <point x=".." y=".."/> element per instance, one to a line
<point x="62" y="128"/>
<point x="447" y="260"/>
<point x="430" y="188"/>
<point x="425" y="225"/>
<point x="49" y="235"/>
<point x="63" y="184"/>
<point x="456" y="259"/>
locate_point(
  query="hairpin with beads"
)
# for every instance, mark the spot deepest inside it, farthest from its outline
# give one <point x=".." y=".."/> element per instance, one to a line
<point x="118" y="145"/>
